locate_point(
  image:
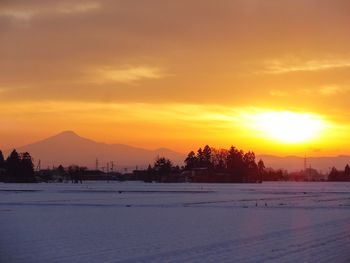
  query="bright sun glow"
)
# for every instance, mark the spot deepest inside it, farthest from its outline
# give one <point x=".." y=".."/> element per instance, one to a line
<point x="289" y="127"/>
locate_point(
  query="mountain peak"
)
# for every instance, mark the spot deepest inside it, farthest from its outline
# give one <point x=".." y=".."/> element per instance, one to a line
<point x="67" y="147"/>
<point x="68" y="133"/>
<point x="64" y="136"/>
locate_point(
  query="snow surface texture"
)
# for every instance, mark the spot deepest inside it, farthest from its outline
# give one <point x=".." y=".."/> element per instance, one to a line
<point x="139" y="222"/>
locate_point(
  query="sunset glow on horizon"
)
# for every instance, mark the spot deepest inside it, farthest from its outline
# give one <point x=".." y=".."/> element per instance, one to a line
<point x="289" y="127"/>
<point x="267" y="76"/>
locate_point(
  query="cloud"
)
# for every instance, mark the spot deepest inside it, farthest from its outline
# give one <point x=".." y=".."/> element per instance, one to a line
<point x="17" y="14"/>
<point x="25" y="13"/>
<point x="79" y="7"/>
<point x="128" y="75"/>
<point x="332" y="90"/>
<point x="277" y="93"/>
<point x="325" y="91"/>
<point x="135" y="40"/>
<point x="282" y="66"/>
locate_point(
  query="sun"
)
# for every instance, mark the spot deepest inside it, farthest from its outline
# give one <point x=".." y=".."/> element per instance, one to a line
<point x="289" y="127"/>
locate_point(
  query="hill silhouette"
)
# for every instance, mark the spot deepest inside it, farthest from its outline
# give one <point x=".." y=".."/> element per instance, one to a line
<point x="68" y="148"/>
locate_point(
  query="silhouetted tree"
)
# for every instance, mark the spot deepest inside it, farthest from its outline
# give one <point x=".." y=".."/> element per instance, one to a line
<point x="206" y="162"/>
<point x="223" y="165"/>
<point x="176" y="169"/>
<point x="148" y="176"/>
<point x="163" y="165"/>
<point x="275" y="175"/>
<point x="27" y="168"/>
<point x="2" y="168"/>
<point x="219" y="158"/>
<point x="13" y="167"/>
<point x="191" y="160"/>
<point x="2" y="160"/>
<point x="162" y="168"/>
<point x="61" y="173"/>
<point x="200" y="157"/>
<point x="334" y="175"/>
<point x="261" y="169"/>
<point x="347" y="173"/>
<point x="250" y="167"/>
<point x="235" y="164"/>
<point x="76" y="173"/>
<point x="60" y="170"/>
<point x="19" y="168"/>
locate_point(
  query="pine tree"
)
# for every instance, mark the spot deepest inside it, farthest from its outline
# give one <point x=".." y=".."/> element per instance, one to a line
<point x="27" y="168"/>
<point x="333" y="175"/>
<point x="347" y="173"/>
<point x="261" y="169"/>
<point x="251" y="172"/>
<point x="207" y="156"/>
<point x="191" y="160"/>
<point x="235" y="164"/>
<point x="200" y="157"/>
<point x="2" y="160"/>
<point x="13" y="167"/>
<point x="163" y="165"/>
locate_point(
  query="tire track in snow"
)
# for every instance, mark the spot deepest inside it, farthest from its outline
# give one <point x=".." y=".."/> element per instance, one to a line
<point x="292" y="245"/>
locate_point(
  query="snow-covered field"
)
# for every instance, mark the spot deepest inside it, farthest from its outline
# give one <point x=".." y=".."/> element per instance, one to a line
<point x="138" y="222"/>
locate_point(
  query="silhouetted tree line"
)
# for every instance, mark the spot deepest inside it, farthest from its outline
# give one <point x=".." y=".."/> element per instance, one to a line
<point x="162" y="170"/>
<point x="275" y="175"/>
<point x="56" y="174"/>
<point x="76" y="173"/>
<point x="339" y="176"/>
<point x="211" y="165"/>
<point x="224" y="165"/>
<point x="17" y="168"/>
<point x="207" y="165"/>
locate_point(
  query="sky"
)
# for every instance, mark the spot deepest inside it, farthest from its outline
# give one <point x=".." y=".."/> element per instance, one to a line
<point x="270" y="76"/>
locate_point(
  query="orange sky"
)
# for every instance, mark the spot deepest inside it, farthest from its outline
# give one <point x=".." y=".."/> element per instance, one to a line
<point x="176" y="74"/>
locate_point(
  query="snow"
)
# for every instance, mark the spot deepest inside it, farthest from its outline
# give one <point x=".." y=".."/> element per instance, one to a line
<point x="140" y="222"/>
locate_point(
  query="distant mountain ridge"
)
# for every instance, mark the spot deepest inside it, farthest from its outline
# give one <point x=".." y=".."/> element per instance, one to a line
<point x="295" y="163"/>
<point x="68" y="148"/>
